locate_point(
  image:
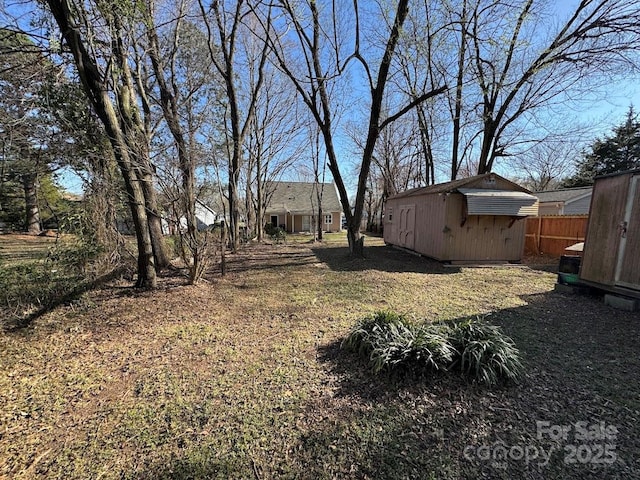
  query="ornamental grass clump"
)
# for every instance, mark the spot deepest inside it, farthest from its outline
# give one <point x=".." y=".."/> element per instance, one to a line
<point x="391" y="343"/>
<point x="485" y="353"/>
<point x="480" y="351"/>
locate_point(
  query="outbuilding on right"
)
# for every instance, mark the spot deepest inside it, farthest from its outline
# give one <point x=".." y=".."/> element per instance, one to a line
<point x="611" y="257"/>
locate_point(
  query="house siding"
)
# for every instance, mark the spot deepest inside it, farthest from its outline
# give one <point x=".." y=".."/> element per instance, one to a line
<point x="292" y="201"/>
<point x="550" y="208"/>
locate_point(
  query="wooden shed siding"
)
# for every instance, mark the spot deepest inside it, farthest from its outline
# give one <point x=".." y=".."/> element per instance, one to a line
<point x="603" y="239"/>
<point x="482" y="237"/>
<point x="429" y="218"/>
<point x="430" y="214"/>
<point x="438" y="232"/>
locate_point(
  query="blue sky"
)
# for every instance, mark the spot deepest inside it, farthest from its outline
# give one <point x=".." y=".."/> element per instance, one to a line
<point x="602" y="113"/>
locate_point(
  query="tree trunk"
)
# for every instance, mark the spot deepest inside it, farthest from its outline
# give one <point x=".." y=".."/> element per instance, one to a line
<point x="29" y="182"/>
<point x="485" y="162"/>
<point x="99" y="94"/>
<point x="234" y="211"/>
<point x="356" y="241"/>
<point x="260" y="205"/>
<point x="250" y="212"/>
<point x="146" y="262"/>
<point x="154" y="220"/>
<point x="455" y="149"/>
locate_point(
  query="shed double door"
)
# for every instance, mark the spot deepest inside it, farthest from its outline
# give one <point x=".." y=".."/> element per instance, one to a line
<point x="407" y="226"/>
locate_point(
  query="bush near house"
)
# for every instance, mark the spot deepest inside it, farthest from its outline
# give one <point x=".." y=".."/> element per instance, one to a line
<point x="277" y="234"/>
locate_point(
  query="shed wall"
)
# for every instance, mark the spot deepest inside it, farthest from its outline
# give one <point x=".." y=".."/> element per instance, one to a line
<point x="439" y="234"/>
<point x="430" y="221"/>
<point x="629" y="261"/>
<point x="427" y="237"/>
<point x="481" y="237"/>
<point x="603" y="236"/>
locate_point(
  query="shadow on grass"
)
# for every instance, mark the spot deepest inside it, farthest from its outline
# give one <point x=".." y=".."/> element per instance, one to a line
<point x="581" y="366"/>
<point x="357" y="380"/>
<point x="269" y="259"/>
<point x="71" y="295"/>
<point x="574" y="339"/>
<point x="380" y="258"/>
<point x="361" y="425"/>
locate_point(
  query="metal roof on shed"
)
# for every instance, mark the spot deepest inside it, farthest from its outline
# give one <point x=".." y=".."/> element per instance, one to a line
<point x="455" y="185"/>
<point x="499" y="202"/>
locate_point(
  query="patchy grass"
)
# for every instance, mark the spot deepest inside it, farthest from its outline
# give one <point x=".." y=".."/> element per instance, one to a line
<point x="243" y="377"/>
<point x="39" y="273"/>
<point x="18" y="249"/>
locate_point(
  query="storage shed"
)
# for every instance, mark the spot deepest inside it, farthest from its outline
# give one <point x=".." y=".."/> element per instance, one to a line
<point x="611" y="257"/>
<point x="476" y="219"/>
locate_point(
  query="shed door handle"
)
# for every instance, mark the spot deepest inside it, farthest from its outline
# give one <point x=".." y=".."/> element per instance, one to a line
<point x="623" y="229"/>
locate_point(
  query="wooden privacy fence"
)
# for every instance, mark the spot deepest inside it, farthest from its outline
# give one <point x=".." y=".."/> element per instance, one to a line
<point x="551" y="234"/>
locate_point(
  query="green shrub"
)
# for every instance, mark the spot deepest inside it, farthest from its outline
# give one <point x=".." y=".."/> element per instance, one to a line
<point x="276" y="233"/>
<point x="485" y="353"/>
<point x="391" y="342"/>
<point x="25" y="287"/>
<point x="74" y="257"/>
<point x="478" y="350"/>
<point x="367" y="331"/>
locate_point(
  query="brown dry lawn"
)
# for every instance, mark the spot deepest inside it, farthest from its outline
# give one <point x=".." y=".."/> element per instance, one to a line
<point x="243" y="377"/>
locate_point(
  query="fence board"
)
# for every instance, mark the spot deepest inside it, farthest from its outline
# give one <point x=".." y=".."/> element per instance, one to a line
<point x="551" y="234"/>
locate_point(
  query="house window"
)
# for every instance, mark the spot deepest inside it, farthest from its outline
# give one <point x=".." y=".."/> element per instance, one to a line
<point x="328" y="219"/>
<point x="274" y="220"/>
<point x="390" y="215"/>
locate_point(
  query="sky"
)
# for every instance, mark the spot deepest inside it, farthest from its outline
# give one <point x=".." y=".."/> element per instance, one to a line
<point x="603" y="114"/>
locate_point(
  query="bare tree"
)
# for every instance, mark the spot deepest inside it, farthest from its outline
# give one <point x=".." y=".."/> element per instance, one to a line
<point x="107" y="80"/>
<point x="532" y="68"/>
<point x="317" y="62"/>
<point x="273" y="144"/>
<point x="547" y="163"/>
<point x="176" y="89"/>
<point x="225" y="23"/>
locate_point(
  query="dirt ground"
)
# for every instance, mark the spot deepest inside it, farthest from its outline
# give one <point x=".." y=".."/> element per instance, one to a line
<point x="244" y="377"/>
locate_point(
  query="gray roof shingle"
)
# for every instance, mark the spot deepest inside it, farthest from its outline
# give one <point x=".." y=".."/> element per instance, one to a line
<point x="563" y="195"/>
<point x="300" y="198"/>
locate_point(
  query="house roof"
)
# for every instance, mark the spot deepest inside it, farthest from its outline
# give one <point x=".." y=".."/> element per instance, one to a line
<point x="455" y="185"/>
<point x="563" y="195"/>
<point x="301" y="198"/>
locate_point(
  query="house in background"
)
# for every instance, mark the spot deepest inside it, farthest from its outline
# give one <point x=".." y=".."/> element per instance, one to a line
<point x="477" y="219"/>
<point x="206" y="217"/>
<point x="566" y="201"/>
<point x="294" y="206"/>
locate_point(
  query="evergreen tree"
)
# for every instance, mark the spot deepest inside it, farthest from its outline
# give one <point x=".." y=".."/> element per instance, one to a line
<point x="614" y="153"/>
